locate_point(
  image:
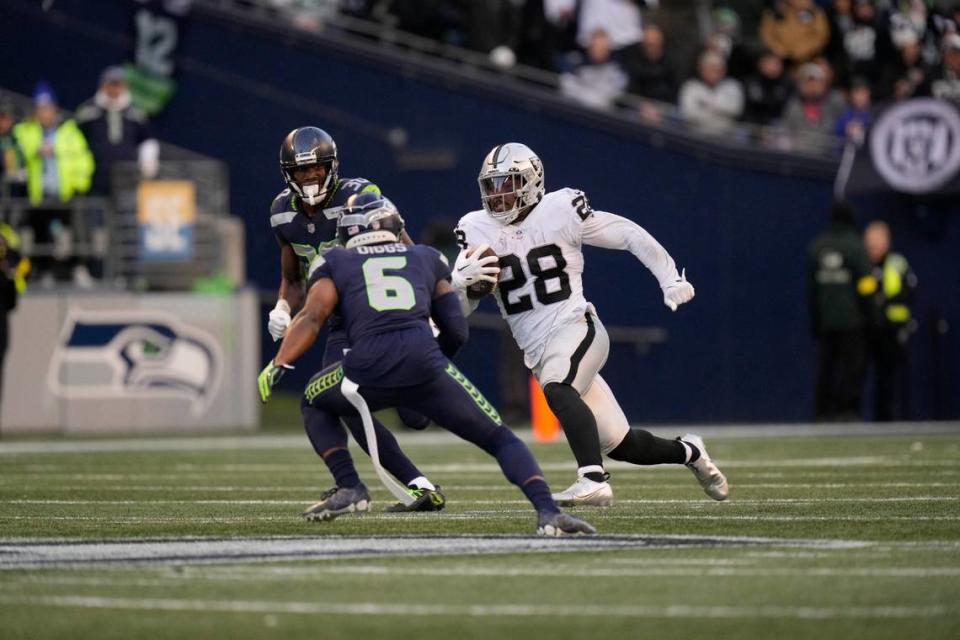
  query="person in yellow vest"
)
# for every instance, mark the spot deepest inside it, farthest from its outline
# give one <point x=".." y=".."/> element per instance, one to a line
<point x="888" y="340"/>
<point x="59" y="166"/>
<point x="13" y="272"/>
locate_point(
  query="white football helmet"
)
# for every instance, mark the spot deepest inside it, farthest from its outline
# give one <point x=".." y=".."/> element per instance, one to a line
<point x="511" y="181"/>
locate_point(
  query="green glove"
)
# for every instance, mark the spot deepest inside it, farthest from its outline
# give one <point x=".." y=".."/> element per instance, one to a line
<point x="269" y="378"/>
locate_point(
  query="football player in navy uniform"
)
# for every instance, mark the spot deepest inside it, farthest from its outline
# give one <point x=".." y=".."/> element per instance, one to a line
<point x="385" y="293"/>
<point x="304" y="220"/>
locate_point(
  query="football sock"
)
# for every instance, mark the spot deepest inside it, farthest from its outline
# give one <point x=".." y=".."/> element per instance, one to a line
<point x="538" y="493"/>
<point x="329" y="440"/>
<point x="578" y="422"/>
<point x="593" y="472"/>
<point x="642" y="447"/>
<point x="421" y="483"/>
<point x="341" y="466"/>
<point x="520" y="467"/>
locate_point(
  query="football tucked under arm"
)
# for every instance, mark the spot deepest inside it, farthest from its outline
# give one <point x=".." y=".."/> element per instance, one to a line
<point x="476" y="271"/>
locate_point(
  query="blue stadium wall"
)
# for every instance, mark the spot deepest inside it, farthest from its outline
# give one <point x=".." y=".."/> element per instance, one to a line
<point x="740" y="352"/>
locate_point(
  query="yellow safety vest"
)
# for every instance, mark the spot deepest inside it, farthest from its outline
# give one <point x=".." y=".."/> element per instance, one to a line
<point x="74" y="160"/>
<point x="894" y="269"/>
<point x="12" y="242"/>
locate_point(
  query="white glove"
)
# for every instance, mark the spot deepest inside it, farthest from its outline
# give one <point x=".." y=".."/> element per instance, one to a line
<point x="279" y="320"/>
<point x="678" y="292"/>
<point x="470" y="268"/>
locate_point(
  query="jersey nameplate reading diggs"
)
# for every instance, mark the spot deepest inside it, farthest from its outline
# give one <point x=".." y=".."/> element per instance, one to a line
<point x="311" y="236"/>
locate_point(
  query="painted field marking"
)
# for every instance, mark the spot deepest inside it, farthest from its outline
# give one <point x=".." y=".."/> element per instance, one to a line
<point x="35" y="553"/>
<point x="648" y="501"/>
<point x="481" y="611"/>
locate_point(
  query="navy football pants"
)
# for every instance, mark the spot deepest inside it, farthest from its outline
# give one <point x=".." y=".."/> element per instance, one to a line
<point x="449" y="399"/>
<point x="332" y="435"/>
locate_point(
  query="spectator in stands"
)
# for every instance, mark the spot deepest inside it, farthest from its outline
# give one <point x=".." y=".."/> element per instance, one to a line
<point x="561" y="19"/>
<point x="652" y="73"/>
<point x="796" y="30"/>
<point x="866" y="46"/>
<point x="813" y="110"/>
<point x="944" y="21"/>
<point x="116" y="131"/>
<point x="711" y="101"/>
<point x="908" y="76"/>
<point x="13" y="176"/>
<point x="59" y="166"/>
<point x="494" y="27"/>
<point x="766" y="90"/>
<point x="725" y="39"/>
<point x="911" y="22"/>
<point x="946" y="82"/>
<point x="600" y="80"/>
<point x="839" y="290"/>
<point x="438" y="20"/>
<point x="840" y="19"/>
<point x="858" y="114"/>
<point x="620" y="19"/>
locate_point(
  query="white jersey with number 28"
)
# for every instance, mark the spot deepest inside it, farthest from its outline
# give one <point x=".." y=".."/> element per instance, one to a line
<point x="541" y="261"/>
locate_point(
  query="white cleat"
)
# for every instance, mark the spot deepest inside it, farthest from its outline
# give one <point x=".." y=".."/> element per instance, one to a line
<point x="585" y="492"/>
<point x="712" y="480"/>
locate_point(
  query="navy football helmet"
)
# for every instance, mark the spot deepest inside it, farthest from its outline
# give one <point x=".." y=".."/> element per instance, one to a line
<point x="369" y="218"/>
<point x="302" y="152"/>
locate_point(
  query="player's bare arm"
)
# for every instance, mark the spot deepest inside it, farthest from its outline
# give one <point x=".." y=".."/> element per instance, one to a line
<point x="291" y="277"/>
<point x="303" y="331"/>
<point x="300" y="336"/>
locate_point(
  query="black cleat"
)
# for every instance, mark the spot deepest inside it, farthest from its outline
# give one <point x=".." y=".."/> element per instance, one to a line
<point x="338" y="501"/>
<point x="425" y="500"/>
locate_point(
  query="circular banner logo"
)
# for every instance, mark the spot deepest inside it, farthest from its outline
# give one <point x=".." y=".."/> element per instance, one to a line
<point x="915" y="146"/>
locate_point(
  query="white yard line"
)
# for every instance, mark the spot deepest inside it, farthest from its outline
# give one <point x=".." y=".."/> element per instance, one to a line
<point x="479" y="611"/>
<point x="439" y="438"/>
<point x="651" y="501"/>
<point x="321" y="572"/>
<point x="452" y="489"/>
<point x="475" y="514"/>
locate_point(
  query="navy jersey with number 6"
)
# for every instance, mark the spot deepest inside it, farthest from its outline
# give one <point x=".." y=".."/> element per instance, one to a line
<point x="385" y="293"/>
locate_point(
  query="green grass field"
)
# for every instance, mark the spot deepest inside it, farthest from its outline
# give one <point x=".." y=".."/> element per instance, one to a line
<point x="824" y="537"/>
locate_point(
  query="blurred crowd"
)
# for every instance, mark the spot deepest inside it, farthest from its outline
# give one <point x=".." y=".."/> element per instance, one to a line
<point x="48" y="158"/>
<point x="804" y="70"/>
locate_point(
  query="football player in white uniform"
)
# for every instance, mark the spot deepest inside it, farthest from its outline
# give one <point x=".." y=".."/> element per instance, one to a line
<point x="537" y="238"/>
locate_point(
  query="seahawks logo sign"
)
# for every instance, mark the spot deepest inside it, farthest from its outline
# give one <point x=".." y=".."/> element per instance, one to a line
<point x="135" y="354"/>
<point x="915" y="146"/>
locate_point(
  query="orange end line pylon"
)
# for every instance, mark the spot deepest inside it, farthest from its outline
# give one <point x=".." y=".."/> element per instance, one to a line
<point x="546" y="427"/>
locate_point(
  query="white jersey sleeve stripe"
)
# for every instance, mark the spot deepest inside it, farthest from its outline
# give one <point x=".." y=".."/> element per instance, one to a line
<point x="278" y="219"/>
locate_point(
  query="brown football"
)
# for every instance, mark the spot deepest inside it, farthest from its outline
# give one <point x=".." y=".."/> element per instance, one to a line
<point x="483" y="288"/>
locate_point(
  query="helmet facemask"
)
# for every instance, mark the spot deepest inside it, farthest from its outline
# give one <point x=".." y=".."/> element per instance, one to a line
<point x="511" y="185"/>
<point x="313" y="190"/>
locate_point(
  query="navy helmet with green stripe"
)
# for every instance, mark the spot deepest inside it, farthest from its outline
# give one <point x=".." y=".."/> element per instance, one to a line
<point x="369" y="218"/>
<point x="302" y="153"/>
